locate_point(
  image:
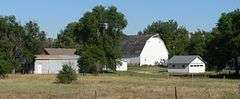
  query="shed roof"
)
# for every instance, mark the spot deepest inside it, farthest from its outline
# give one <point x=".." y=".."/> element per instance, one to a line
<point x="57" y="57"/>
<point x="59" y="51"/>
<point x="186" y="59"/>
<point x="133" y="44"/>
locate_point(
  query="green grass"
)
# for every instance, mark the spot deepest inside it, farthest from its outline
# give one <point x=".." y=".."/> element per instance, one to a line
<point x="145" y="83"/>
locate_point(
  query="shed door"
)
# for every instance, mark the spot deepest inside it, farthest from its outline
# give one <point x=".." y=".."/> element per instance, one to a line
<point x="39" y="69"/>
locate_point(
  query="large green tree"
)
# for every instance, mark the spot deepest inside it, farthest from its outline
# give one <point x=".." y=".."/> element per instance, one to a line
<point x="226" y="43"/>
<point x="175" y="37"/>
<point x="67" y="38"/>
<point x="97" y="35"/>
<point x="34" y="42"/>
<point x="19" y="43"/>
<point x="11" y="40"/>
<point x="198" y="43"/>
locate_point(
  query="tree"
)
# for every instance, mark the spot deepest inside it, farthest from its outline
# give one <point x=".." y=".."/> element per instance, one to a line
<point x="67" y="38"/>
<point x="4" y="65"/>
<point x="34" y="43"/>
<point x="227" y="39"/>
<point x="175" y="37"/>
<point x="67" y="75"/>
<point x="98" y="33"/>
<point x="199" y="43"/>
<point x="11" y="40"/>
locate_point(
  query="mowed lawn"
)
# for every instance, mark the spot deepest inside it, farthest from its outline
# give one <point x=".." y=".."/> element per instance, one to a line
<point x="137" y="83"/>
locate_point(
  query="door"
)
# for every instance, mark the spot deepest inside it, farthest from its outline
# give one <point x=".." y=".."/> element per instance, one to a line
<point x="39" y="69"/>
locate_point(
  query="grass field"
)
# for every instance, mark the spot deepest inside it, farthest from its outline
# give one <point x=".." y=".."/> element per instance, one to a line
<point x="137" y="83"/>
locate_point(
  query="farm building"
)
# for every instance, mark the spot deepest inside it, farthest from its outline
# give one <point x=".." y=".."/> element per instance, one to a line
<point x="186" y="64"/>
<point x="50" y="61"/>
<point x="122" y="66"/>
<point x="145" y="50"/>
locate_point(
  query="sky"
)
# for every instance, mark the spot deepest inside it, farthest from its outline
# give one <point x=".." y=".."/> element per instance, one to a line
<point x="53" y="15"/>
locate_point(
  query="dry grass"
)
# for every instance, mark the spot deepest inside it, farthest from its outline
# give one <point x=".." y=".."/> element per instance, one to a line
<point x="144" y="83"/>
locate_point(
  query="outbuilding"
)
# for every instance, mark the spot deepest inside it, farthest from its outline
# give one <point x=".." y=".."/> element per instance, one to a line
<point x="50" y="61"/>
<point x="186" y="64"/>
<point x="122" y="66"/>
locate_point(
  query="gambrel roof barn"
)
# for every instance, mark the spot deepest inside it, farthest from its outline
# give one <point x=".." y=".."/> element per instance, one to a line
<point x="145" y="49"/>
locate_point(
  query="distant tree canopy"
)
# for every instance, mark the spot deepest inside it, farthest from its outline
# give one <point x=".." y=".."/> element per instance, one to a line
<point x="175" y="37"/>
<point x="198" y="43"/>
<point x="225" y="45"/>
<point x="97" y="35"/>
<point x="19" y="43"/>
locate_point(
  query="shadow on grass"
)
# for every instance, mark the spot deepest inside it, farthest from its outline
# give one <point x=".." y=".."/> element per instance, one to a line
<point x="225" y="76"/>
<point x="215" y="76"/>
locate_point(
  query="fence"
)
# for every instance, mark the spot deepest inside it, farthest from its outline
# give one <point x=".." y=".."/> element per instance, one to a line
<point x="169" y="92"/>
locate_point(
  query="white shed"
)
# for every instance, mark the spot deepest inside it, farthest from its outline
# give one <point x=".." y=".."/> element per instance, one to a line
<point x="186" y="64"/>
<point x="147" y="49"/>
<point x="122" y="66"/>
<point x="50" y="61"/>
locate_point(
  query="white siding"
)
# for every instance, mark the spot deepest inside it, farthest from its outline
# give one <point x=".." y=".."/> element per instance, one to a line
<point x="133" y="60"/>
<point x="198" y="66"/>
<point x="154" y="52"/>
<point x="122" y="66"/>
<point x="53" y="66"/>
<point x="178" y="70"/>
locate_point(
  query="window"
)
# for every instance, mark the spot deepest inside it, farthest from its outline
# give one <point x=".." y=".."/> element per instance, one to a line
<point x="173" y="65"/>
<point x="191" y="65"/>
<point x="183" y="66"/>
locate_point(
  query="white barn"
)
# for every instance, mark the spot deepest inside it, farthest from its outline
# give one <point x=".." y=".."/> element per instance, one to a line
<point x="186" y="64"/>
<point x="50" y="61"/>
<point x="145" y="50"/>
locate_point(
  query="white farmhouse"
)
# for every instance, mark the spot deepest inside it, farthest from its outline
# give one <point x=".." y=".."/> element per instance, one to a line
<point x="145" y="50"/>
<point x="186" y="64"/>
<point x="50" y="61"/>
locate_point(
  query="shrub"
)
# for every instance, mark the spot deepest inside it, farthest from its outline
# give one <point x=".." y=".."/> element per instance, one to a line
<point x="67" y="75"/>
<point x="3" y="72"/>
<point x="5" y="67"/>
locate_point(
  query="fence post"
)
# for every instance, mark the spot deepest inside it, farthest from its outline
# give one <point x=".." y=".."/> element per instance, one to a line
<point x="175" y="92"/>
<point x="95" y="94"/>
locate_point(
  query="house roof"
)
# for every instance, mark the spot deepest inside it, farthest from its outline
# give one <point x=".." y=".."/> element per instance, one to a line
<point x="58" y="57"/>
<point x="183" y="59"/>
<point x="59" y="51"/>
<point x="133" y="44"/>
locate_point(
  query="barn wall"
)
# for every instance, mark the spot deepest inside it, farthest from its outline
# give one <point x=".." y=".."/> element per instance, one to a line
<point x="53" y="66"/>
<point x="198" y="66"/>
<point x="154" y="52"/>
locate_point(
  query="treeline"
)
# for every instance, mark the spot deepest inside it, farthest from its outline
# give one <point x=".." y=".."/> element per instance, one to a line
<point x="97" y="36"/>
<point x="19" y="43"/>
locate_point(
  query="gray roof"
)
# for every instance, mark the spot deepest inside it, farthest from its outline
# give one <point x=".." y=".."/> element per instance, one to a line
<point x="183" y="59"/>
<point x="133" y="44"/>
<point x="56" y="57"/>
<point x="59" y="51"/>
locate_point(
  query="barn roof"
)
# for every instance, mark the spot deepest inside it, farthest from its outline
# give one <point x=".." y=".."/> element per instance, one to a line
<point x="183" y="59"/>
<point x="59" y="51"/>
<point x="133" y="44"/>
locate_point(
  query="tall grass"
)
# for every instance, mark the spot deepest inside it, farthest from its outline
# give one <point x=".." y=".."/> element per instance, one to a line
<point x="141" y="83"/>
